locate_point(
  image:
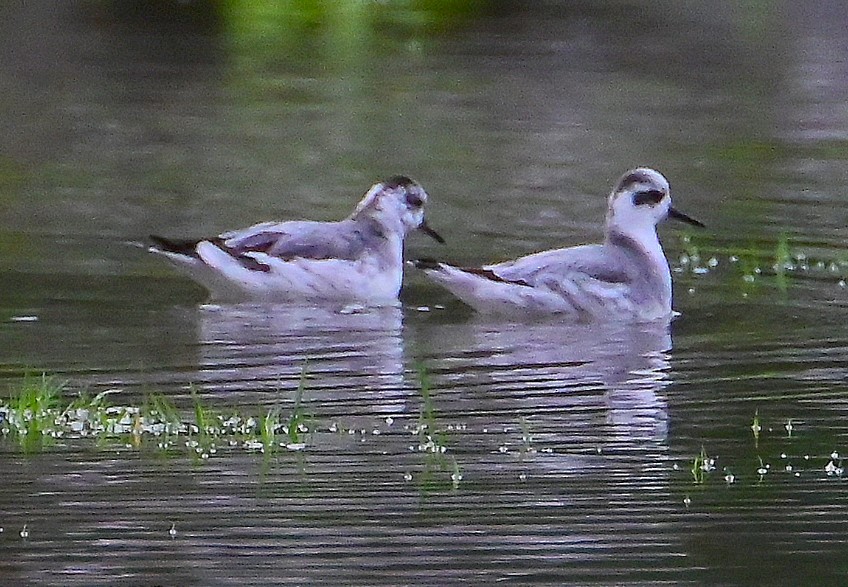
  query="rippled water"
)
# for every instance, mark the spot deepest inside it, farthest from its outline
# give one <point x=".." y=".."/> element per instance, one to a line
<point x="441" y="447"/>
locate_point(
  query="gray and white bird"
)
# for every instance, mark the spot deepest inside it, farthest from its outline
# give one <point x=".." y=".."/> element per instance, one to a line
<point x="357" y="260"/>
<point x="626" y="277"/>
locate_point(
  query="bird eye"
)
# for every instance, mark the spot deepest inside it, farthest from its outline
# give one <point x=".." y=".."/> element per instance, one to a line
<point x="414" y="200"/>
<point x="649" y="197"/>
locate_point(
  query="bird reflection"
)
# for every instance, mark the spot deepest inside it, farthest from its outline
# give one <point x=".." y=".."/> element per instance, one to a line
<point x="574" y="382"/>
<point x="351" y="359"/>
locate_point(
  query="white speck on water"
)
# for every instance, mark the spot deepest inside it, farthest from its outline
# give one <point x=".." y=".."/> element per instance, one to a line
<point x="834" y="455"/>
<point x="334" y="427"/>
<point x="522" y="477"/>
<point x="23" y="319"/>
<point x="675" y="467"/>
<point x="686" y="501"/>
<point x="700" y="270"/>
<point x="173" y="530"/>
<point x="389" y="420"/>
<point x="797" y="473"/>
<point x="842" y="283"/>
<point x="25" y="532"/>
<point x="422" y="308"/>
<point x="783" y="455"/>
<point x="691" y="290"/>
<point x="789" y="468"/>
<point x="375" y="432"/>
<point x="502" y="449"/>
<point x="730" y="478"/>
<point x="806" y="457"/>
<point x="733" y="259"/>
<point x="407" y="476"/>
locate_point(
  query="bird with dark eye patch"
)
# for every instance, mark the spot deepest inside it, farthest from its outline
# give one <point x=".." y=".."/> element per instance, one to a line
<point x="355" y="260"/>
<point x="648" y="197"/>
<point x="414" y="200"/>
<point x="624" y="278"/>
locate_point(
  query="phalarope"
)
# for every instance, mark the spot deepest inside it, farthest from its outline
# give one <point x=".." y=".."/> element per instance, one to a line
<point x="625" y="277"/>
<point x="355" y="260"/>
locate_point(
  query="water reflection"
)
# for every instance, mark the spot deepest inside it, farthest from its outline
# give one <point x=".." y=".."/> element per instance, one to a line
<point x="352" y="358"/>
<point x="129" y="126"/>
<point x="568" y="380"/>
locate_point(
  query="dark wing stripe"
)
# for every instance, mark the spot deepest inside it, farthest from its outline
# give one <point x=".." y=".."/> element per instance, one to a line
<point x="491" y="275"/>
<point x="245" y="261"/>
<point x="182" y="247"/>
<point x="189" y="249"/>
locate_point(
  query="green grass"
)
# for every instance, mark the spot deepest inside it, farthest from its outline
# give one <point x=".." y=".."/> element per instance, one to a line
<point x="38" y="413"/>
<point x="432" y="441"/>
<point x="31" y="413"/>
<point x="701" y="466"/>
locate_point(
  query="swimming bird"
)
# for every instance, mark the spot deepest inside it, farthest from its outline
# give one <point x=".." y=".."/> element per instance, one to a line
<point x="625" y="278"/>
<point x="355" y="260"/>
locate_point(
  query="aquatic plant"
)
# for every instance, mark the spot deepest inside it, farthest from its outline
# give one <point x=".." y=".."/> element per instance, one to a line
<point x="31" y="412"/>
<point x="36" y="412"/>
<point x="701" y="465"/>
<point x="756" y="427"/>
<point x="268" y="427"/>
<point x="757" y="266"/>
<point x="432" y="438"/>
<point x="297" y="424"/>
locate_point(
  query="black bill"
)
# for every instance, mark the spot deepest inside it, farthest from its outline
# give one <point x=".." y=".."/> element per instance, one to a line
<point x="678" y="215"/>
<point x="431" y="233"/>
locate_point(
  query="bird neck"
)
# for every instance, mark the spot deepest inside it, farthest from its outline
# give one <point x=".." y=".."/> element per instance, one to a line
<point x="643" y="245"/>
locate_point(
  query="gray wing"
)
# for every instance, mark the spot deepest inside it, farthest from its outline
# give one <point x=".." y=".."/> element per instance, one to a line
<point x="595" y="262"/>
<point x="302" y="239"/>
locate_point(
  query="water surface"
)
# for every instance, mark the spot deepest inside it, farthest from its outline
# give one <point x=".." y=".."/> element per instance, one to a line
<point x="538" y="452"/>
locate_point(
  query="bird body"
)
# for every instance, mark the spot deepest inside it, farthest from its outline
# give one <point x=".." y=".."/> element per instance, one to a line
<point x="357" y="260"/>
<point x="625" y="277"/>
